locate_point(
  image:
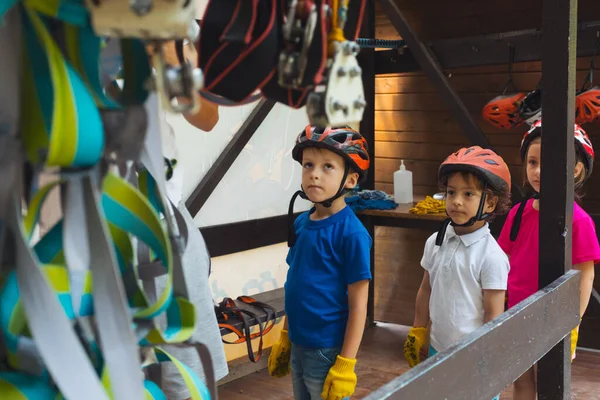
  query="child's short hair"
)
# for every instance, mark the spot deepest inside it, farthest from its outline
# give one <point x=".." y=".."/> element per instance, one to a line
<point x="502" y="205"/>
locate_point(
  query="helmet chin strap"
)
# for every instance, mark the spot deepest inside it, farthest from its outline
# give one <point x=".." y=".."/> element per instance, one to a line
<point x="480" y="216"/>
<point x="325" y="203"/>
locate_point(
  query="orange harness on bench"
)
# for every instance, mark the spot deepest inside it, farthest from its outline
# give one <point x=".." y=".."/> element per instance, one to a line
<point x="228" y="309"/>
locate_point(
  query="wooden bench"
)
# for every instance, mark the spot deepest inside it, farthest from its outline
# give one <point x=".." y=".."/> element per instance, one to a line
<point x="242" y="366"/>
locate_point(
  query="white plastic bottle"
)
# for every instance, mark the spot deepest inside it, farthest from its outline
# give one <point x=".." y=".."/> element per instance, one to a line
<point x="403" y="187"/>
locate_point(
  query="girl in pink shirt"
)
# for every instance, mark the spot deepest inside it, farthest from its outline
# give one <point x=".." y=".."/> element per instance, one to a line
<point x="520" y="238"/>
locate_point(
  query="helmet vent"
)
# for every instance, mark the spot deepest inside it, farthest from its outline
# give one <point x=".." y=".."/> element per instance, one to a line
<point x="339" y="138"/>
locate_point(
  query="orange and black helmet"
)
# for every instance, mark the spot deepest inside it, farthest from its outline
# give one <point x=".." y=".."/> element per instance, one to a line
<point x="344" y="141"/>
<point x="503" y="111"/>
<point x="483" y="163"/>
<point x="587" y="105"/>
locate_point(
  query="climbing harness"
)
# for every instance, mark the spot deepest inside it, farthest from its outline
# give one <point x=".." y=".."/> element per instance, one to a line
<point x="228" y="309"/>
<point x="295" y="52"/>
<point x="76" y="306"/>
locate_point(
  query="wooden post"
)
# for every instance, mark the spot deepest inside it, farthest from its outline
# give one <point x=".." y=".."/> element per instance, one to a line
<point x="559" y="44"/>
<point x="366" y="59"/>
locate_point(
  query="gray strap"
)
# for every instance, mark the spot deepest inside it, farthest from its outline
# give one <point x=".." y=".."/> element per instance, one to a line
<point x="59" y="347"/>
<point x="75" y="236"/>
<point x="209" y="371"/>
<point x="117" y="338"/>
<point x="151" y="158"/>
<point x="63" y="355"/>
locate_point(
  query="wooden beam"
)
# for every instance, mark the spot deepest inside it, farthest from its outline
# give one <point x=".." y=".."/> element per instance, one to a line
<point x="559" y="24"/>
<point x="486" y="361"/>
<point x="483" y="50"/>
<point x="245" y="235"/>
<point x="434" y="72"/>
<point x="216" y="172"/>
<point x="396" y="61"/>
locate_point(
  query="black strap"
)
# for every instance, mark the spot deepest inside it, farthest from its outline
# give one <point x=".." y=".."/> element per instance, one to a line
<point x="227" y="309"/>
<point x="480" y="216"/>
<point x="514" y="229"/>
<point x="291" y="219"/>
<point x="179" y="52"/>
<point x="439" y="239"/>
<point x="326" y="203"/>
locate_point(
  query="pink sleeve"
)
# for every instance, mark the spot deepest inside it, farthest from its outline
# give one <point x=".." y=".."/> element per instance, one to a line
<point x="585" y="241"/>
<point x="504" y="239"/>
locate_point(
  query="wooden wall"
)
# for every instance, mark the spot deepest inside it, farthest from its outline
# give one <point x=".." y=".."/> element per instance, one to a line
<point x="414" y="124"/>
<point x="441" y="19"/>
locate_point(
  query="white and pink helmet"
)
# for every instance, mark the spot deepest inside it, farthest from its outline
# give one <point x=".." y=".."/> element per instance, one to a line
<point x="582" y="141"/>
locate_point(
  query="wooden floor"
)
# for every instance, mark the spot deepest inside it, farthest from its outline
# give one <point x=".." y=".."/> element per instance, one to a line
<point x="381" y="360"/>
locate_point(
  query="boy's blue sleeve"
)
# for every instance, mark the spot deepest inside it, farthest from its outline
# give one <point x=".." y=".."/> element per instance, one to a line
<point x="357" y="255"/>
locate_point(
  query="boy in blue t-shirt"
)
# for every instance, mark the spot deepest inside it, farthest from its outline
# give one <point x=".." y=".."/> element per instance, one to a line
<point x="327" y="285"/>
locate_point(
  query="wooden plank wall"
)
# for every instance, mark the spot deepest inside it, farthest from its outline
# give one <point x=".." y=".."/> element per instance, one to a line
<point x="441" y="19"/>
<point x="414" y="124"/>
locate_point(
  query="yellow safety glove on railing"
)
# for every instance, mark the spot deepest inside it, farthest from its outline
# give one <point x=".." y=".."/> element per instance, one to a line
<point x="341" y="380"/>
<point x="412" y="347"/>
<point x="279" y="359"/>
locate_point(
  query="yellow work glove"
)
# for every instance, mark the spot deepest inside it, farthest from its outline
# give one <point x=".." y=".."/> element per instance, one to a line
<point x="412" y="347"/>
<point x="574" y="337"/>
<point x="279" y="359"/>
<point x="341" y="380"/>
<point x="429" y="206"/>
